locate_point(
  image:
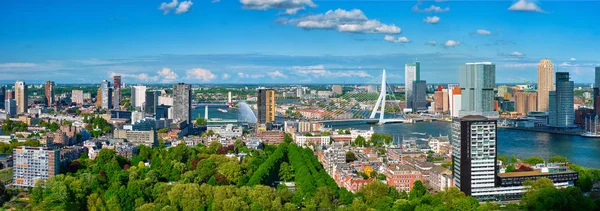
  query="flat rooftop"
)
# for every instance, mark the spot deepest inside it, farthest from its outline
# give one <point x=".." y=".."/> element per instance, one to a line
<point x="530" y="173"/>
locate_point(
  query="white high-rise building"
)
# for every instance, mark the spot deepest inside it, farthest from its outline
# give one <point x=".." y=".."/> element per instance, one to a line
<point x="138" y="96"/>
<point x="412" y="72"/>
<point x="21" y="96"/>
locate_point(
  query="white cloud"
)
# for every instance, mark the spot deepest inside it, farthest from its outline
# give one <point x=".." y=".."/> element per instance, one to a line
<point x="521" y="65"/>
<point x="183" y="7"/>
<point x="167" y="75"/>
<point x="215" y="1"/>
<point x="451" y="43"/>
<point x="390" y="38"/>
<point x="353" y="21"/>
<point x="434" y="8"/>
<point x="225" y="76"/>
<point x="517" y="54"/>
<point x="291" y="7"/>
<point x="525" y="6"/>
<point x="16" y="65"/>
<point x="432" y="20"/>
<point x="200" y="74"/>
<point x="320" y="71"/>
<point x="254" y="76"/>
<point x="483" y="32"/>
<point x="572" y="59"/>
<point x="276" y="74"/>
<point x="567" y="64"/>
<point x="167" y="7"/>
<point x="432" y="43"/>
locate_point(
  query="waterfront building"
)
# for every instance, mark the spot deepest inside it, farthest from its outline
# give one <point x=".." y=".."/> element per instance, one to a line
<point x="49" y="93"/>
<point x="445" y="100"/>
<point x="117" y="93"/>
<point x="418" y="99"/>
<point x="336" y="89"/>
<point x="412" y="73"/>
<point x="597" y="91"/>
<point x="2" y="96"/>
<point x="474" y="154"/>
<point x="10" y="107"/>
<point x="438" y="101"/>
<point x="21" y="97"/>
<point x="502" y="90"/>
<point x="453" y="89"/>
<point x="477" y="83"/>
<point x="545" y="83"/>
<point x="266" y="105"/>
<point x="106" y="95"/>
<point x="526" y="102"/>
<point x="584" y="114"/>
<point x="33" y="164"/>
<point x="77" y="97"/>
<point x="560" y="107"/>
<point x="138" y="96"/>
<point x="182" y="102"/>
<point x="151" y="101"/>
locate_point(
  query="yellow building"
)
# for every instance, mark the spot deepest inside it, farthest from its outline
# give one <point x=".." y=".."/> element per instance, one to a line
<point x="265" y="102"/>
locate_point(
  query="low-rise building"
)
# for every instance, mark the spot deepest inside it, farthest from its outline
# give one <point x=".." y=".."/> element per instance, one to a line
<point x="227" y="131"/>
<point x="440" y="178"/>
<point x="147" y="138"/>
<point x="271" y="137"/>
<point x="402" y="177"/>
<point x="305" y="141"/>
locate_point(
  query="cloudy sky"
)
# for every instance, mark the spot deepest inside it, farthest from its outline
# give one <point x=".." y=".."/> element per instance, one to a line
<point x="291" y="41"/>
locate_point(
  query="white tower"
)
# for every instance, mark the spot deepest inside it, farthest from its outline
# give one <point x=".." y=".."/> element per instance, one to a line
<point x="380" y="101"/>
<point x="206" y="113"/>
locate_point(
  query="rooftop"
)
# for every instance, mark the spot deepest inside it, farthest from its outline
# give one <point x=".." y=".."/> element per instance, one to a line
<point x="530" y="173"/>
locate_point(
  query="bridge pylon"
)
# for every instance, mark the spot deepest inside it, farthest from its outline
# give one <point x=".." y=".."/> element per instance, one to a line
<point x="380" y="101"/>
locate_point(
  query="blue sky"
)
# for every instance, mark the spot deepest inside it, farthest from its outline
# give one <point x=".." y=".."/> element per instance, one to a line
<point x="283" y="41"/>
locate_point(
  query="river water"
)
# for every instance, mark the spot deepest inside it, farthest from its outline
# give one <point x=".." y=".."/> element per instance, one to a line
<point x="579" y="150"/>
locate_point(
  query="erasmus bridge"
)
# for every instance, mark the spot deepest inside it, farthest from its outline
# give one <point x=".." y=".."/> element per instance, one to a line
<point x="370" y="107"/>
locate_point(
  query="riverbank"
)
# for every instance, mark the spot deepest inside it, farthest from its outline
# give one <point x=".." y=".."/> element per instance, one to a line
<point x="547" y="130"/>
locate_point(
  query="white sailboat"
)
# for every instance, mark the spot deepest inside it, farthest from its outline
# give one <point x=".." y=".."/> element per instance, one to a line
<point x="591" y="129"/>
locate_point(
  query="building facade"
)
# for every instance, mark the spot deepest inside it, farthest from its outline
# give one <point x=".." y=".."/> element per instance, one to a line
<point x="21" y="97"/>
<point x="477" y="83"/>
<point x="49" y="93"/>
<point x="265" y="102"/>
<point x="526" y="102"/>
<point x="182" y="102"/>
<point x="77" y="97"/>
<point x="10" y="107"/>
<point x="151" y="101"/>
<point x="560" y="107"/>
<point x="117" y="97"/>
<point x="545" y="83"/>
<point x="106" y="95"/>
<point x="474" y="154"/>
<point x="337" y="89"/>
<point x="33" y="164"/>
<point x="418" y="98"/>
<point x="412" y="72"/>
<point x="138" y="96"/>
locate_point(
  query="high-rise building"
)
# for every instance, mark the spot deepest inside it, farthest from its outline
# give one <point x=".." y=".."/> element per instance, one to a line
<point x="77" y="96"/>
<point x="438" y="101"/>
<point x="477" y="81"/>
<point x="474" y="154"/>
<point x="138" y="96"/>
<point x="445" y="100"/>
<point x="106" y="95"/>
<point x="526" y="102"/>
<point x="21" y="96"/>
<point x="2" y="96"/>
<point x="418" y="99"/>
<point x="560" y="108"/>
<point x="412" y="73"/>
<point x="545" y="83"/>
<point x="33" y="164"/>
<point x="455" y="100"/>
<point x="265" y="102"/>
<point x="597" y="91"/>
<point x="10" y="107"/>
<point x="336" y="89"/>
<point x="597" y="78"/>
<point x="117" y="91"/>
<point x="151" y="101"/>
<point x="182" y="102"/>
<point x="49" y="91"/>
<point x="10" y="94"/>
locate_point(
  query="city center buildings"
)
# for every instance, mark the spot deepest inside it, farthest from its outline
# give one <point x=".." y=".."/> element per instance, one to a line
<point x="477" y="83"/>
<point x="545" y="83"/>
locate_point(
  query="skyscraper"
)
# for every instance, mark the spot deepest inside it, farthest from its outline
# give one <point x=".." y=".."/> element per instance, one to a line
<point x="117" y="91"/>
<point x="2" y="96"/>
<point x="418" y="99"/>
<point x="265" y="102"/>
<point x="10" y="107"/>
<point x="182" y="102"/>
<point x="560" y="106"/>
<point x="21" y="96"/>
<point x="151" y="101"/>
<point x="138" y="96"/>
<point x="597" y="77"/>
<point x="49" y="91"/>
<point x="412" y="72"/>
<point x="474" y="154"/>
<point x="106" y="95"/>
<point x="477" y="83"/>
<point x="438" y="101"/>
<point x="597" y="91"/>
<point x="545" y="83"/>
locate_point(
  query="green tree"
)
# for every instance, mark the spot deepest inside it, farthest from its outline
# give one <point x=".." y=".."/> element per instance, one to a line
<point x="201" y="121"/>
<point x="558" y="159"/>
<point x="533" y="160"/>
<point x="350" y="157"/>
<point x="286" y="173"/>
<point x="510" y="168"/>
<point x="417" y="191"/>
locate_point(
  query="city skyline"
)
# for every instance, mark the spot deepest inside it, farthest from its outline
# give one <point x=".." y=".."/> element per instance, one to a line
<point x="237" y="42"/>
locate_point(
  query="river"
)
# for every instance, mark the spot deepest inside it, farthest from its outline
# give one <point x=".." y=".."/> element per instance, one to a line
<point x="579" y="150"/>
